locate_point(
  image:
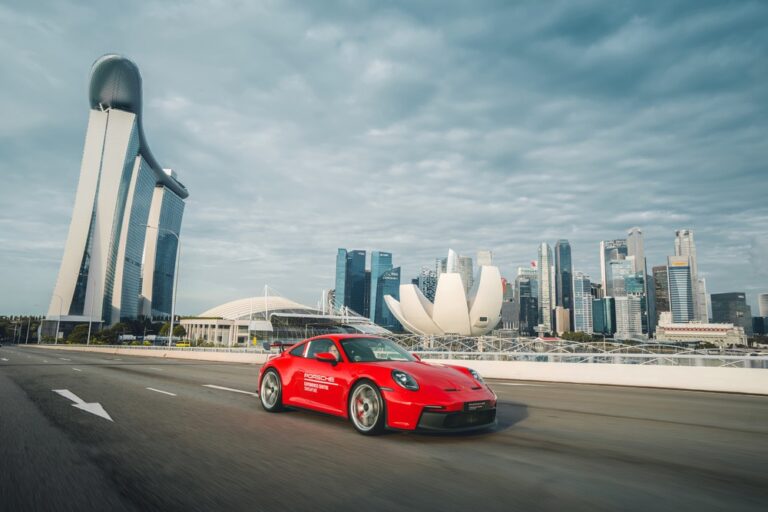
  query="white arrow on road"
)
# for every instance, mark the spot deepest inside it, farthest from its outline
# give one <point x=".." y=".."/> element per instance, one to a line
<point x="93" y="408"/>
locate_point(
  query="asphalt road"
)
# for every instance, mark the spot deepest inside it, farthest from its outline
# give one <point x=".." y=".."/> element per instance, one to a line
<point x="557" y="446"/>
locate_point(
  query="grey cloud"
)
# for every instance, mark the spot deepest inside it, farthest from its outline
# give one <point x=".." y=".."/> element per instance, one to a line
<point x="409" y="127"/>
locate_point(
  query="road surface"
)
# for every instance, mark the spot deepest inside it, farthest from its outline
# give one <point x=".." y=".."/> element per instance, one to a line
<point x="190" y="435"/>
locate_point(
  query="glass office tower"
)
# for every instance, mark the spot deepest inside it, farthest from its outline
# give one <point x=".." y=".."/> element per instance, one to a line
<point x="546" y="287"/>
<point x="680" y="289"/>
<point x="100" y="277"/>
<point x="351" y="283"/>
<point x="388" y="283"/>
<point x="563" y="275"/>
<point x="732" y="308"/>
<point x="582" y="303"/>
<point x="381" y="262"/>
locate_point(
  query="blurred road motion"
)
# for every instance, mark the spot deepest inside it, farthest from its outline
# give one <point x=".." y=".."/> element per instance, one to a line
<point x="181" y="435"/>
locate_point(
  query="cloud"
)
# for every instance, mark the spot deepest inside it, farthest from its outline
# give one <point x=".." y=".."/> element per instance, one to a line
<point x="408" y="127"/>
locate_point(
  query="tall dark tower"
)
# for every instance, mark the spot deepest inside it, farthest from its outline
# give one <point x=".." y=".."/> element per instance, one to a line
<point x="564" y="276"/>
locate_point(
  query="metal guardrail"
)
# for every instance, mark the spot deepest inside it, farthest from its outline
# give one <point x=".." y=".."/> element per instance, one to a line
<point x="569" y="353"/>
<point x="760" y="362"/>
<point x="236" y="350"/>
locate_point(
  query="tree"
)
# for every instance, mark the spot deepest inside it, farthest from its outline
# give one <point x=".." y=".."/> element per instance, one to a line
<point x="178" y="330"/>
<point x="577" y="336"/>
<point x="79" y="334"/>
<point x="110" y="334"/>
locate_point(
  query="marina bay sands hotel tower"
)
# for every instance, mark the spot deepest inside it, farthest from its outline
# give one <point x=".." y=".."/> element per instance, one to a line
<point x="119" y="261"/>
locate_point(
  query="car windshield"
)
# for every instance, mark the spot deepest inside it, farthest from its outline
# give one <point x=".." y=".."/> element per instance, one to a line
<point x="371" y="350"/>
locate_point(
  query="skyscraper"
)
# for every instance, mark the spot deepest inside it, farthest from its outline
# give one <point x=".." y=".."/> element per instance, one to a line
<point x="484" y="258"/>
<point x="685" y="246"/>
<point x="636" y="248"/>
<point x="351" y="281"/>
<point x="466" y="272"/>
<point x="732" y="308"/>
<point x="563" y="276"/>
<point x="628" y="317"/>
<point x="388" y="283"/>
<point x="610" y="250"/>
<point x="562" y="320"/>
<point x="762" y="304"/>
<point x="531" y="273"/>
<point x="546" y="287"/>
<point x="127" y="209"/>
<point x="680" y="289"/>
<point x="459" y="264"/>
<point x="381" y="262"/>
<point x="160" y="246"/>
<point x="661" y="290"/>
<point x="618" y="271"/>
<point x="427" y="283"/>
<point x="604" y="316"/>
<point x="526" y="303"/>
<point x="582" y="303"/>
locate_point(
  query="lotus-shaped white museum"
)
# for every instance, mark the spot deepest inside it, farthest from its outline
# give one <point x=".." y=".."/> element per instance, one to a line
<point x="452" y="312"/>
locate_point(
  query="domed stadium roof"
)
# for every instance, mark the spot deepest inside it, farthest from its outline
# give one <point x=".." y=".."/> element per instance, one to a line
<point x="242" y="309"/>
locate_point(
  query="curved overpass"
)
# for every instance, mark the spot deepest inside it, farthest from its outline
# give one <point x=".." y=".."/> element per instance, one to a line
<point x="116" y="83"/>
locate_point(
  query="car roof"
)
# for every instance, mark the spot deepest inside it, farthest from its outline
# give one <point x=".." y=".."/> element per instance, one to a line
<point x="340" y="337"/>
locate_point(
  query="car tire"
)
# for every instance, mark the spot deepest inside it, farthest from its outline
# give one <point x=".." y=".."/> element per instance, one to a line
<point x="367" y="410"/>
<point x="271" y="391"/>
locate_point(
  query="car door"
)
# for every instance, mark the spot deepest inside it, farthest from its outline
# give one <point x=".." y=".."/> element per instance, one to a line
<point x="291" y="374"/>
<point x="321" y="384"/>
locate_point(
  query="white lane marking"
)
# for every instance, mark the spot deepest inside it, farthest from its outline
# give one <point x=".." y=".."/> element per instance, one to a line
<point x="45" y="360"/>
<point x="516" y="384"/>
<point x="161" y="391"/>
<point x="93" y="408"/>
<point x="77" y="369"/>
<point x="117" y="359"/>
<point x="230" y="389"/>
<point x="158" y="369"/>
<point x="64" y="359"/>
<point x="3" y="358"/>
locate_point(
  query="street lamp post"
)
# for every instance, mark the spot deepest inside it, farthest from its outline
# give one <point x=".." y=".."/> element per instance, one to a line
<point x="58" y="321"/>
<point x="90" y="321"/>
<point x="175" y="277"/>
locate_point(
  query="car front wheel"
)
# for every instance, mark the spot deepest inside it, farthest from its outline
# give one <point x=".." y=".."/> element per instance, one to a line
<point x="366" y="408"/>
<point x="271" y="391"/>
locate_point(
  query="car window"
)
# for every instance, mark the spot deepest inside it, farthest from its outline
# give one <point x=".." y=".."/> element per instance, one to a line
<point x="370" y="350"/>
<point x="318" y="347"/>
<point x="298" y="351"/>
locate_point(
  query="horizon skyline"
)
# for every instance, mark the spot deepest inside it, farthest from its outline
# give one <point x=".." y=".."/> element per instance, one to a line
<point x="509" y="272"/>
<point x="401" y="129"/>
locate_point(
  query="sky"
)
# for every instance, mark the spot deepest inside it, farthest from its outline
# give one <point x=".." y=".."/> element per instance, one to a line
<point x="409" y="127"/>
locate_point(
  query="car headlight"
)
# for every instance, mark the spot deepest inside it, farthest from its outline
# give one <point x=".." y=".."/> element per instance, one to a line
<point x="476" y="375"/>
<point x="404" y="380"/>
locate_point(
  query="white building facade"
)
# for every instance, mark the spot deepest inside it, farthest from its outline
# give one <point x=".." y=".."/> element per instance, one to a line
<point x="629" y="318"/>
<point x="582" y="303"/>
<point x="101" y="272"/>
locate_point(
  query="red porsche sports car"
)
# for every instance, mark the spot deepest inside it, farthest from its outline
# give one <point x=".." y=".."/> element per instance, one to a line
<point x="377" y="385"/>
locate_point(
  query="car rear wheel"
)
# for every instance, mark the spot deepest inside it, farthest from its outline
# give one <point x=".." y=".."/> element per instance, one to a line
<point x="271" y="391"/>
<point x="366" y="408"/>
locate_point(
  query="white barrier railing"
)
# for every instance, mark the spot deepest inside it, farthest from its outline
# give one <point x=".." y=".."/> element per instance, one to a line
<point x="604" y="358"/>
<point x="615" y="356"/>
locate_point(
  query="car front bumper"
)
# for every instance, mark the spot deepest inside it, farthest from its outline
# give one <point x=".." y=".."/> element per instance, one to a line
<point x="457" y="421"/>
<point x="457" y="412"/>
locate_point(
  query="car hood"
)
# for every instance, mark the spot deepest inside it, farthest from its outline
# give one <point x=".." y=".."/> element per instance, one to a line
<point x="443" y="377"/>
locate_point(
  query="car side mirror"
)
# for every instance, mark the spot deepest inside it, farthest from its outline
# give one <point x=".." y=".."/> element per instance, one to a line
<point x="326" y="357"/>
<point x="414" y="354"/>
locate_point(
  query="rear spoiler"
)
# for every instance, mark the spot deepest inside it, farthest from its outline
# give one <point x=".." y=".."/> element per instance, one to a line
<point x="278" y="345"/>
